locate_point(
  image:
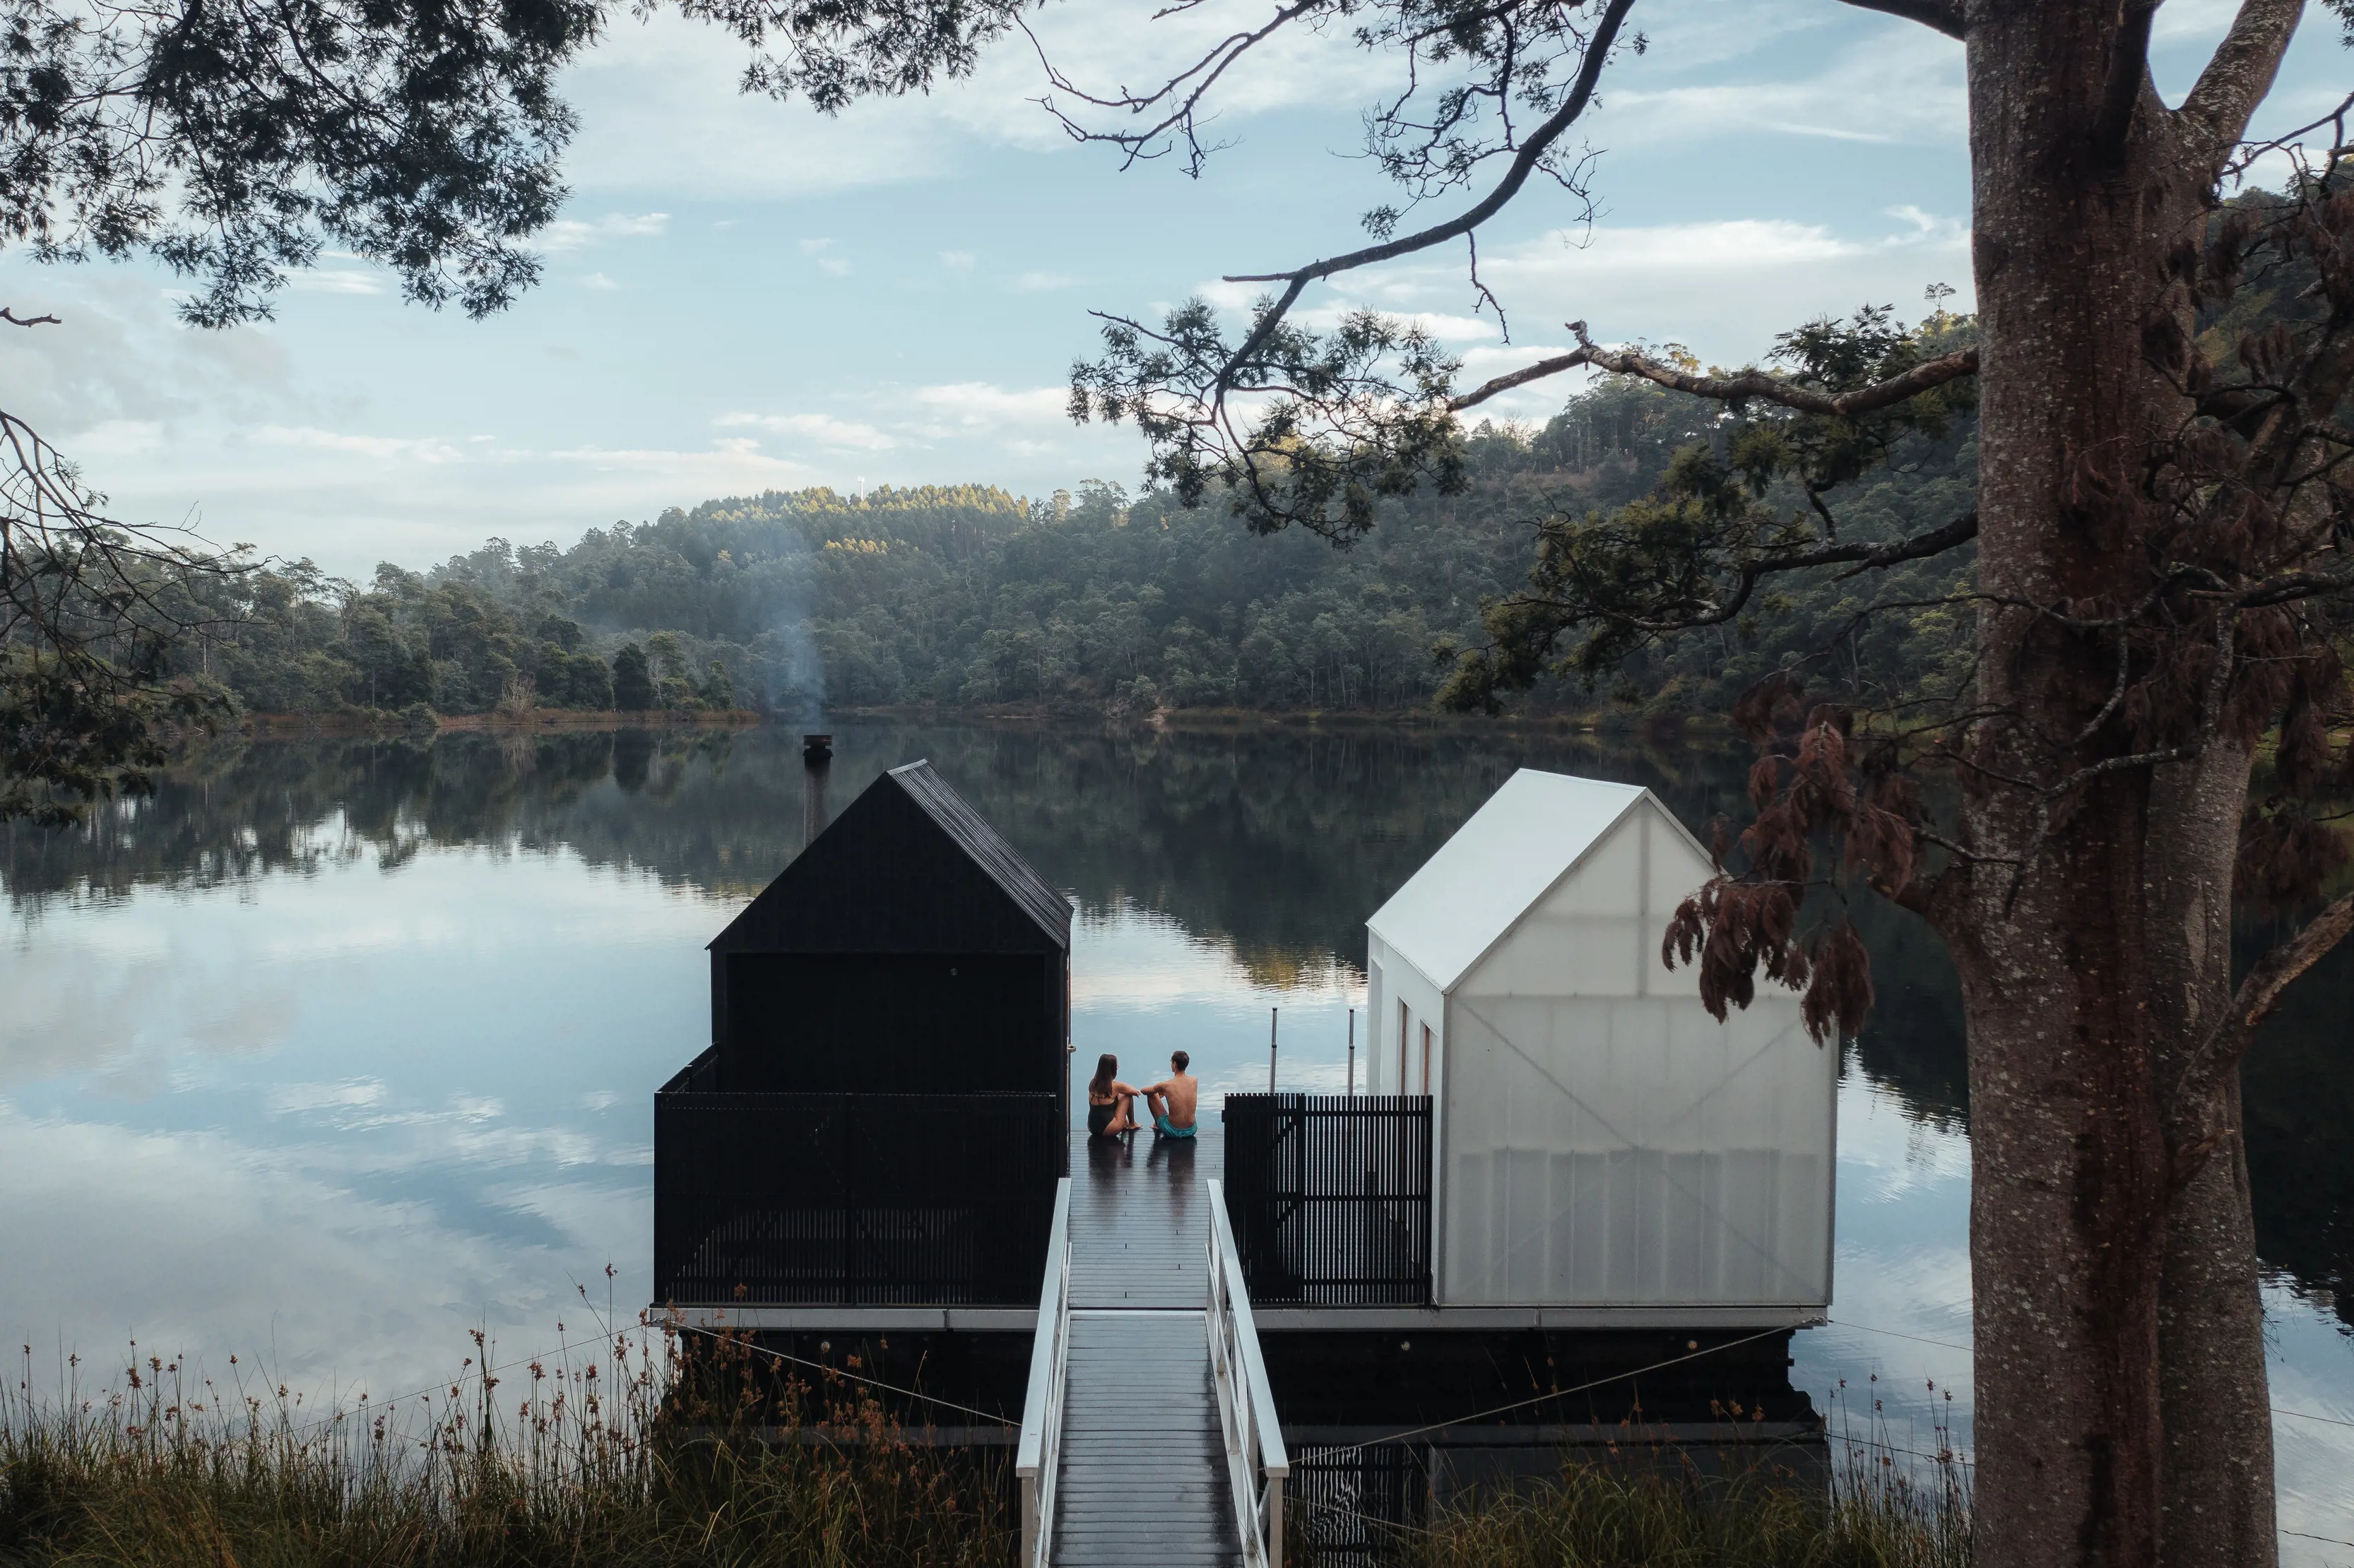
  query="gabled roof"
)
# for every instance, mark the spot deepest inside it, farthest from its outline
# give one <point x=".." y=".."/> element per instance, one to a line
<point x="907" y="867"/>
<point x="1509" y="855"/>
<point x="990" y="852"/>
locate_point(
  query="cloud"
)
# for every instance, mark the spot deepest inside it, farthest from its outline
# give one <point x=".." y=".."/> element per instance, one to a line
<point x="971" y="406"/>
<point x="2193" y="21"/>
<point x="119" y="437"/>
<point x="121" y="362"/>
<point x="822" y="252"/>
<point x="1445" y="326"/>
<point x="427" y="448"/>
<point x="577" y="234"/>
<point x="1042" y="282"/>
<point x="1889" y="83"/>
<point x="599" y="281"/>
<point x="956" y="261"/>
<point x="822" y="429"/>
<point x="311" y="1099"/>
<point x="944" y="415"/>
<point x="334" y="280"/>
<point x="661" y="107"/>
<point x="728" y="466"/>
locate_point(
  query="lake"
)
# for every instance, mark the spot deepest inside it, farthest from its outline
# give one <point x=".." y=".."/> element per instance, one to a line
<point x="335" y="1050"/>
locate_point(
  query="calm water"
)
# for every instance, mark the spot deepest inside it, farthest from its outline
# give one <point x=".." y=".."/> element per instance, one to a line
<point x="333" y="1051"/>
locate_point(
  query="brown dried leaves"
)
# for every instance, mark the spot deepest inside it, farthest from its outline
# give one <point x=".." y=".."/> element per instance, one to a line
<point x="1812" y="781"/>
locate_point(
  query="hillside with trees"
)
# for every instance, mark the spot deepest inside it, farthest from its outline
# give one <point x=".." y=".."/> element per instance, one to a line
<point x="968" y="597"/>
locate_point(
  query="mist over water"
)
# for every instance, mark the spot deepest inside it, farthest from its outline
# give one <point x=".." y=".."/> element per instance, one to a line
<point x="333" y="1051"/>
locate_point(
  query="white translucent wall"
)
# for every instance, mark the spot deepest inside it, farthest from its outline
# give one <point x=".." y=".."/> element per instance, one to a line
<point x="1399" y="1003"/>
<point x="1608" y="1143"/>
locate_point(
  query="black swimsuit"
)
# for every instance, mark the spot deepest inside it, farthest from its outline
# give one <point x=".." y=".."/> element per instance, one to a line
<point x="1099" y="1117"/>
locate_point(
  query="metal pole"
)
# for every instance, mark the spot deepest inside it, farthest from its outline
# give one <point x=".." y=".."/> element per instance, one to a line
<point x="1353" y="1052"/>
<point x="1271" y="1015"/>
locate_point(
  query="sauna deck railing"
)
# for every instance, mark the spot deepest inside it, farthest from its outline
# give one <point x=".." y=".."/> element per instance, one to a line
<point x="1038" y="1456"/>
<point x="1256" y="1462"/>
<point x="851" y="1199"/>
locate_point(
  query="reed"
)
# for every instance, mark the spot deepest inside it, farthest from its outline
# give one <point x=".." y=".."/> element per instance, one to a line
<point x="1894" y="1499"/>
<point x="629" y="1451"/>
<point x="1609" y="1518"/>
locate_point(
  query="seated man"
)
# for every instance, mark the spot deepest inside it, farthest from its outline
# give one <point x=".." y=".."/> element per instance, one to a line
<point x="1173" y="1098"/>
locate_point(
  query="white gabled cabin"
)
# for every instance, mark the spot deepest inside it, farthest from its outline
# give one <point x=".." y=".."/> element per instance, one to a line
<point x="1606" y="1154"/>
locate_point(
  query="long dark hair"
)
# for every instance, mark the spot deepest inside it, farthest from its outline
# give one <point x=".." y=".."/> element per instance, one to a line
<point x="1107" y="1068"/>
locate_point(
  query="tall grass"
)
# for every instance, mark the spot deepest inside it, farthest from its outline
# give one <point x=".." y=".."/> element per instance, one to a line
<point x="1611" y="1517"/>
<point x="1889" y="1504"/>
<point x="630" y="1452"/>
<point x="627" y="1452"/>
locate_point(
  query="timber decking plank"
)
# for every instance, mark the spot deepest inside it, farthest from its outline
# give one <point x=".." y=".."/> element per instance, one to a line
<point x="1142" y="1477"/>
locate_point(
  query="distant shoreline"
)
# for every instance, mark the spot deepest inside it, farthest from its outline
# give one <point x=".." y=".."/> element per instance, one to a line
<point x="282" y="726"/>
<point x="1234" y="718"/>
<point x="298" y="726"/>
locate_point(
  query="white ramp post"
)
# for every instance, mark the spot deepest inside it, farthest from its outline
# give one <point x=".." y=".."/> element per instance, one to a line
<point x="1039" y="1453"/>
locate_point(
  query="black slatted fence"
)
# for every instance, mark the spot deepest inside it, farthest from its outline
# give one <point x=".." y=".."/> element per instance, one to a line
<point x="1358" y="1507"/>
<point x="852" y="1199"/>
<point x="1329" y="1197"/>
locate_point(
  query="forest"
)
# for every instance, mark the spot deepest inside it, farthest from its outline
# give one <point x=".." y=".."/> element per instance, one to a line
<point x="1093" y="601"/>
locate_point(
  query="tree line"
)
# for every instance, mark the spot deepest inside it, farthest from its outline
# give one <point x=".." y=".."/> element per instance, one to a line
<point x="1097" y="601"/>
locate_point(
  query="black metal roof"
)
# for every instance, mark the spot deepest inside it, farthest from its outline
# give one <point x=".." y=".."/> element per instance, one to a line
<point x="970" y="830"/>
<point x="908" y="866"/>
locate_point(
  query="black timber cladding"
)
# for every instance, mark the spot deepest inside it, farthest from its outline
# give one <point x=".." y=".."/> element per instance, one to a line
<point x="909" y="947"/>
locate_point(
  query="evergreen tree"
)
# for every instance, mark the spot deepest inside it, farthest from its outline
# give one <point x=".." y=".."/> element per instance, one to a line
<point x="633" y="681"/>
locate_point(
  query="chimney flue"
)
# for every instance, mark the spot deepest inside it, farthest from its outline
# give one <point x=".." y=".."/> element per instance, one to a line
<point x="817" y="758"/>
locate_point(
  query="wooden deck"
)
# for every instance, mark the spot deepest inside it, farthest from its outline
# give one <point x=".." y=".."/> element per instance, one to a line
<point x="1143" y="1476"/>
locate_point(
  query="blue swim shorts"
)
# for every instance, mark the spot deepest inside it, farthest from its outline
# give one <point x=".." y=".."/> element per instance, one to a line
<point x="1161" y="1125"/>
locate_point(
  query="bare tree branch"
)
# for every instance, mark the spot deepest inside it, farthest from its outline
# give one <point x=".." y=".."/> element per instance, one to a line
<point x="1184" y="92"/>
<point x="1923" y="378"/>
<point x="2192" y="1135"/>
<point x="2289" y="587"/>
<point x="1865" y="558"/>
<point x="1944" y="16"/>
<point x="1524" y="163"/>
<point x="8" y="315"/>
<point x="2240" y="72"/>
<point x="1537" y="371"/>
<point x="2247" y="155"/>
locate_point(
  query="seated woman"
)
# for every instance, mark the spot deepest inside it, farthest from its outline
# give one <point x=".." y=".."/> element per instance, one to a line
<point x="1112" y="1105"/>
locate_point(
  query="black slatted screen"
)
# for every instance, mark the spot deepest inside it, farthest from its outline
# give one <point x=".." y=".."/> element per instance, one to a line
<point x="856" y="1198"/>
<point x="1329" y="1197"/>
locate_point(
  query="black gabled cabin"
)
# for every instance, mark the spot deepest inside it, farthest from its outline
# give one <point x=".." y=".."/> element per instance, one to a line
<point x="884" y="1112"/>
<point x="908" y="949"/>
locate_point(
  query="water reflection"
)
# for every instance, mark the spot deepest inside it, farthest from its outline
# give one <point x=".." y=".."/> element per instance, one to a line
<point x="1209" y="867"/>
<point x="351" y="1041"/>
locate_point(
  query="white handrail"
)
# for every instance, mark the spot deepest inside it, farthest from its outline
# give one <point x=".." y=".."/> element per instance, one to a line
<point x="1038" y="1457"/>
<point x="1257" y="1460"/>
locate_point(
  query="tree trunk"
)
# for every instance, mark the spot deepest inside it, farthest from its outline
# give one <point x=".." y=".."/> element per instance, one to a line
<point x="2066" y="1200"/>
<point x="2215" y="1403"/>
<point x="2072" y="221"/>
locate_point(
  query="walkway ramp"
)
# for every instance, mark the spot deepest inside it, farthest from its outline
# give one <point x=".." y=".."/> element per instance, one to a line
<point x="1147" y="1417"/>
<point x="1143" y="1477"/>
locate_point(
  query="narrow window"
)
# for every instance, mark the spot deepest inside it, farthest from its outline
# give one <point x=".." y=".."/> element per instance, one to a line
<point x="1425" y="1059"/>
<point x="1405" y="1033"/>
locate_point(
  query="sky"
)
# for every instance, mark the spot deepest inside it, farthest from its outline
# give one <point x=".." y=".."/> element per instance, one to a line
<point x="742" y="295"/>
